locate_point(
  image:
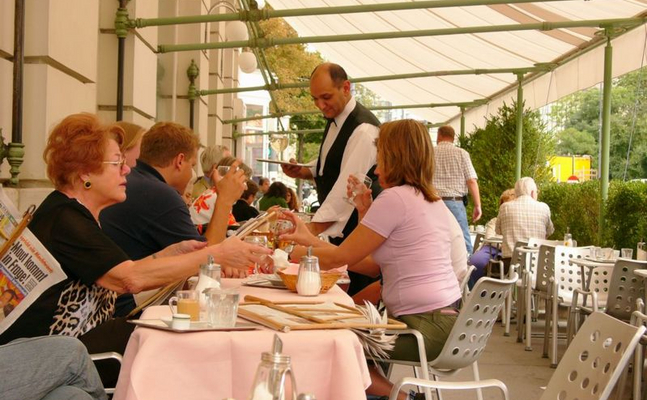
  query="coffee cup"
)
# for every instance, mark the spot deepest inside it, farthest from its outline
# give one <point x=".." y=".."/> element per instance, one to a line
<point x="186" y="302"/>
<point x="181" y="321"/>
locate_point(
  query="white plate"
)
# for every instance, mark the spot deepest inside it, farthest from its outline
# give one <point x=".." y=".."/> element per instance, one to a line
<point x="265" y="160"/>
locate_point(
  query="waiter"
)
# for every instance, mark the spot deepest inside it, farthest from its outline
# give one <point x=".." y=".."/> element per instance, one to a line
<point x="348" y="147"/>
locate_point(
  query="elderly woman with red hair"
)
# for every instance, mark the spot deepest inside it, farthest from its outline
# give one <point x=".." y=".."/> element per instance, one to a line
<point x="86" y="163"/>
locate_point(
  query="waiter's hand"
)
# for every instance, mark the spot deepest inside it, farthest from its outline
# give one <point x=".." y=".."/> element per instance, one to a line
<point x="295" y="171"/>
<point x="476" y="215"/>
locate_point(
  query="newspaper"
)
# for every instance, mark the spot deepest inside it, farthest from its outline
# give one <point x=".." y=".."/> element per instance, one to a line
<point x="27" y="269"/>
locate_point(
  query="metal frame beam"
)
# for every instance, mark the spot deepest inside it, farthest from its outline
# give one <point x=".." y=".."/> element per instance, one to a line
<point x="255" y="15"/>
<point x="374" y="108"/>
<point x="540" y="26"/>
<point x="427" y="74"/>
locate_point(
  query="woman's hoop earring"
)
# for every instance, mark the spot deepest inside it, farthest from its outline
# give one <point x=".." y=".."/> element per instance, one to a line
<point x="87" y="185"/>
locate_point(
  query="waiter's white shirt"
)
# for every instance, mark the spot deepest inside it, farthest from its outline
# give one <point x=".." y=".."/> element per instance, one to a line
<point x="359" y="156"/>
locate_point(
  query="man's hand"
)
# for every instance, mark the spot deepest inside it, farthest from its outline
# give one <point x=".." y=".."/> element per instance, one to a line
<point x="232" y="185"/>
<point x="234" y="253"/>
<point x="294" y="171"/>
<point x="476" y="215"/>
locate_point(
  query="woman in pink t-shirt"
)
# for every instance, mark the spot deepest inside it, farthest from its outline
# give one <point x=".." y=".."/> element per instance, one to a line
<point x="405" y="235"/>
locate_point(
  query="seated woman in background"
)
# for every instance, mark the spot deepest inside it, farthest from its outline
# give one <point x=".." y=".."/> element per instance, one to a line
<point x="276" y="195"/>
<point x="243" y="209"/>
<point x="133" y="134"/>
<point x="410" y="247"/>
<point x="88" y="169"/>
<point x="292" y="200"/>
<point x="204" y="206"/>
<point x="483" y="254"/>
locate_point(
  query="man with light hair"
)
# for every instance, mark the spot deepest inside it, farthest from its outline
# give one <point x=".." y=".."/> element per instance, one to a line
<point x="209" y="158"/>
<point x="454" y="177"/>
<point x="523" y="218"/>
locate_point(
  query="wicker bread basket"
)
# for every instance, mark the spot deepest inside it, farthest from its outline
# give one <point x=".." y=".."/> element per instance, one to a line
<point x="327" y="281"/>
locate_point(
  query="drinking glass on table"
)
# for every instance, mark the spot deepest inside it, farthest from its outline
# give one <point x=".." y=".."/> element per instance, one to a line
<point x="262" y="242"/>
<point x="283" y="227"/>
<point x="627" y="253"/>
<point x="359" y="183"/>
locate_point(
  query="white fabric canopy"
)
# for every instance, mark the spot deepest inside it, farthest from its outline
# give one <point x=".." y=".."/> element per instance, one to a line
<point x="516" y="49"/>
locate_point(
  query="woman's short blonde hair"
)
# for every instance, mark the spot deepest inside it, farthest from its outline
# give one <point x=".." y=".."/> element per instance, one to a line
<point x="406" y="156"/>
<point x="506" y="196"/>
<point x="132" y="133"/>
<point x="77" y="145"/>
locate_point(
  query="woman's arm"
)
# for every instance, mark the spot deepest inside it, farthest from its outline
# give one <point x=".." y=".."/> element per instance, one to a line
<point x="354" y="251"/>
<point x="153" y="272"/>
<point x="366" y="267"/>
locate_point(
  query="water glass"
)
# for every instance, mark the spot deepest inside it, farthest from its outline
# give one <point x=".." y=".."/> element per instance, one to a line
<point x="359" y="184"/>
<point x="259" y="241"/>
<point x="222" y="307"/>
<point x="282" y="227"/>
<point x="627" y="253"/>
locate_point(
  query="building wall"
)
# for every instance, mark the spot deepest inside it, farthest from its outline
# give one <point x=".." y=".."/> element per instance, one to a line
<point x="71" y="67"/>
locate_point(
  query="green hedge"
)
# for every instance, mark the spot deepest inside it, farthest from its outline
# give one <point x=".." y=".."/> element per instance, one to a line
<point x="576" y="206"/>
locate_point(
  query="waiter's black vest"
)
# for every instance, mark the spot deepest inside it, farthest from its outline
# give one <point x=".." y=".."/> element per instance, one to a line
<point x="326" y="181"/>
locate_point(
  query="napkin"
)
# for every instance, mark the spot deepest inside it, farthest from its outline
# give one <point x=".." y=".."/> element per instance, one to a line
<point x="280" y="258"/>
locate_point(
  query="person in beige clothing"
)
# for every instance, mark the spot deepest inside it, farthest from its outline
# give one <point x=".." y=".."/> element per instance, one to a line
<point x="523" y="218"/>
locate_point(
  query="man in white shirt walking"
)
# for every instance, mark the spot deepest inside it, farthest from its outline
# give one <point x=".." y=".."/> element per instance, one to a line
<point x="454" y="176"/>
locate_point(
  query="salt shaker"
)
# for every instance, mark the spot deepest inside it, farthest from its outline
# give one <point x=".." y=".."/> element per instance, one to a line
<point x="209" y="278"/>
<point x="274" y="379"/>
<point x="309" y="279"/>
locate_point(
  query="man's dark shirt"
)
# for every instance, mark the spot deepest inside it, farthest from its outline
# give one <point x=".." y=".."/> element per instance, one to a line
<point x="153" y="216"/>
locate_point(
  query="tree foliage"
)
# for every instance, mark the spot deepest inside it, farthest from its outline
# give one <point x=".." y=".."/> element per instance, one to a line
<point x="579" y="114"/>
<point x="493" y="153"/>
<point x="570" y="141"/>
<point x="295" y="63"/>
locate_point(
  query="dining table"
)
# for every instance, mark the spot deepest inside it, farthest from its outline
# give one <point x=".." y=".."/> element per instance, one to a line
<point x="214" y="365"/>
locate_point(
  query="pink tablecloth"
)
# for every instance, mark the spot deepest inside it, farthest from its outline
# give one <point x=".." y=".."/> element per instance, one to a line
<point x="162" y="365"/>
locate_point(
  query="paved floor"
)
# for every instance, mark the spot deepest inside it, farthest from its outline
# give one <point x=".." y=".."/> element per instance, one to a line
<point x="525" y="373"/>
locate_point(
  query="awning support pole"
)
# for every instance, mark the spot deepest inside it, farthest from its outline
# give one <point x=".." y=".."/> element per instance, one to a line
<point x="606" y="129"/>
<point x="517" y="173"/>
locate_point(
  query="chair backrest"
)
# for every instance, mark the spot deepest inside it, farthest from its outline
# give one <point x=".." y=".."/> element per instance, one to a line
<point x="517" y="257"/>
<point x="625" y="288"/>
<point x="473" y="326"/>
<point x="594" y="360"/>
<point x="567" y="275"/>
<point x="465" y="290"/>
<point x="545" y="267"/>
<point x="478" y="240"/>
<point x="529" y="262"/>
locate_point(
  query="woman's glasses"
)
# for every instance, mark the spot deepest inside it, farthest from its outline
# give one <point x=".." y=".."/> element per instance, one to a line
<point x="120" y="163"/>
